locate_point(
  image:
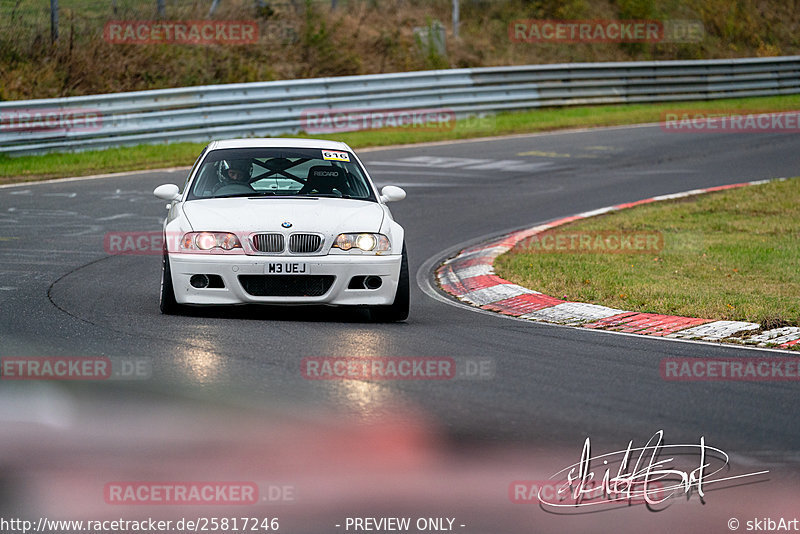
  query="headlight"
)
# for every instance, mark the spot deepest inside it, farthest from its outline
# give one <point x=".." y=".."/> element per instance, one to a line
<point x="376" y="243"/>
<point x="210" y="240"/>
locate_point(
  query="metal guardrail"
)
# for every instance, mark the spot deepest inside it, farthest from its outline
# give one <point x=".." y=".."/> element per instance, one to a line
<point x="266" y="109"/>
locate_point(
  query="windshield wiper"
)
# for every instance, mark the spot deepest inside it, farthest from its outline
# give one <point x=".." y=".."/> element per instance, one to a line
<point x="276" y="195"/>
<point x="273" y="194"/>
<point x="324" y="195"/>
<point x="255" y="194"/>
<point x="234" y="195"/>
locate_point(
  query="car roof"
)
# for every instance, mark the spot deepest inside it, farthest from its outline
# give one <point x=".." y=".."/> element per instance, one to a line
<point x="278" y="142"/>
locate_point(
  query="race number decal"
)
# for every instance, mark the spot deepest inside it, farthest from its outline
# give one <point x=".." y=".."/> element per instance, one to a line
<point x="335" y="156"/>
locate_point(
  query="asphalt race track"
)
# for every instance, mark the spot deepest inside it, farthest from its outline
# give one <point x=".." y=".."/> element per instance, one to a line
<point x="61" y="294"/>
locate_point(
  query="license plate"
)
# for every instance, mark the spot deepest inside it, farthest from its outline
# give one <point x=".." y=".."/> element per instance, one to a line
<point x="286" y="268"/>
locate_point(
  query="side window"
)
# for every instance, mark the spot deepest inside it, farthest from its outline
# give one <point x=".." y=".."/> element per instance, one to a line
<point x="205" y="181"/>
<point x="194" y="168"/>
<point x="357" y="187"/>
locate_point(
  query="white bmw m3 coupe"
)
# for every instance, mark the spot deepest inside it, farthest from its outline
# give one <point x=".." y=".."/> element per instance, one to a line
<point x="283" y="221"/>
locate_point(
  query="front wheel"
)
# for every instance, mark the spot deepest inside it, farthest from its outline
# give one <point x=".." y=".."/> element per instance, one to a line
<point x="167" y="302"/>
<point x="397" y="311"/>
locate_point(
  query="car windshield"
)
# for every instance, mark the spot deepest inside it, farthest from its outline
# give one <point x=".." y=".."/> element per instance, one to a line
<point x="296" y="172"/>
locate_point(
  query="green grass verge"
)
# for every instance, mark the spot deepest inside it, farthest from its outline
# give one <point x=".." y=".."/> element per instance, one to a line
<point x="142" y="157"/>
<point x="730" y="255"/>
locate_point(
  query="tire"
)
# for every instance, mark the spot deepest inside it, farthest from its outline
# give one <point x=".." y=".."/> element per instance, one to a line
<point x="397" y="311"/>
<point x="167" y="302"/>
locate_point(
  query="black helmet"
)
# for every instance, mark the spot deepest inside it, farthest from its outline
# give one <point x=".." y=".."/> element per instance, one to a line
<point x="242" y="165"/>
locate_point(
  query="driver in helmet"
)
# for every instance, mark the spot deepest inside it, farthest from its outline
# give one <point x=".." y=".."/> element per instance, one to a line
<point x="238" y="171"/>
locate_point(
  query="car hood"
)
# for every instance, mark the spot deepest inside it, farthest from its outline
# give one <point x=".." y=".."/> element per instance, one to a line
<point x="267" y="214"/>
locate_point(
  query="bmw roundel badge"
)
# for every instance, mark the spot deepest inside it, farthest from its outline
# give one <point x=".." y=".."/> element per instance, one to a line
<point x="286" y="224"/>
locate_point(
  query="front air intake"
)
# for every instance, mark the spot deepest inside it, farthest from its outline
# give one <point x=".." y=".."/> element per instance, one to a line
<point x="265" y="285"/>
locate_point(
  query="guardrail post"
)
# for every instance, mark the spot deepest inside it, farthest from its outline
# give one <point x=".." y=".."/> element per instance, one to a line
<point x="53" y="21"/>
<point x="455" y="18"/>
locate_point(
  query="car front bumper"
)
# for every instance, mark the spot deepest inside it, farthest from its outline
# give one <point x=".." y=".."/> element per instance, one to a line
<point x="230" y="267"/>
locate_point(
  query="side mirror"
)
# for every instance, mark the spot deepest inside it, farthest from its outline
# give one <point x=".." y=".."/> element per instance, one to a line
<point x="168" y="192"/>
<point x="392" y="193"/>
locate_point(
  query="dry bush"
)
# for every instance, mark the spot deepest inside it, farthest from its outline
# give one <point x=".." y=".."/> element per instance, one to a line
<point x="306" y="38"/>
